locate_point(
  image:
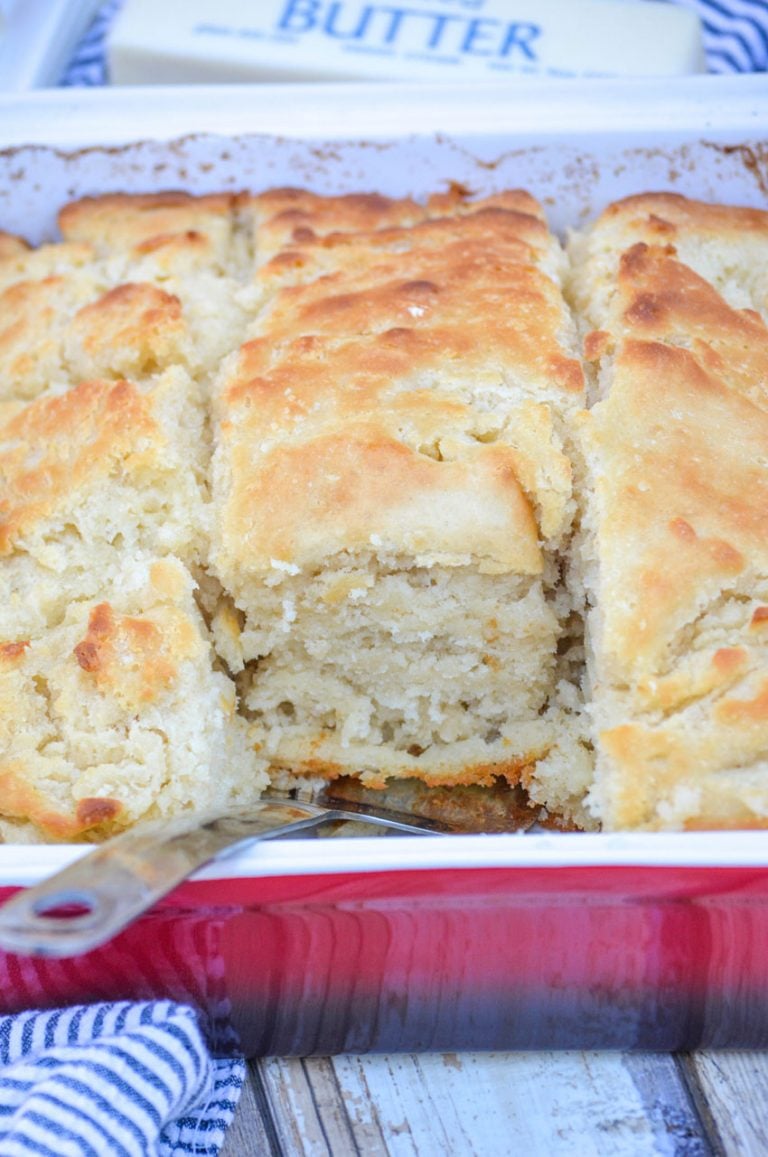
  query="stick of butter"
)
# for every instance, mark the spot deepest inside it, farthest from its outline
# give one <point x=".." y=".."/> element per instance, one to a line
<point x="452" y="40"/>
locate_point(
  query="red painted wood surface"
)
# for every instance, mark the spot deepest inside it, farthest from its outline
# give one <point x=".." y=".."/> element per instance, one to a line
<point x="494" y="958"/>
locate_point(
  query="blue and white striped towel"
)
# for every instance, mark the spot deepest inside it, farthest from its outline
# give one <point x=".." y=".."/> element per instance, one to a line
<point x="735" y="39"/>
<point x="735" y="33"/>
<point x="124" y="1079"/>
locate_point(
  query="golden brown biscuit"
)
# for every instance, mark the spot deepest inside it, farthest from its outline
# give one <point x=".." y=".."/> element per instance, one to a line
<point x="285" y="218"/>
<point x="20" y="262"/>
<point x="397" y="477"/>
<point x="12" y="246"/>
<point x="90" y="482"/>
<point x="34" y="316"/>
<point x="676" y="556"/>
<point x="392" y="489"/>
<point x="289" y="219"/>
<point x="133" y="331"/>
<point x="58" y="331"/>
<point x="117" y="222"/>
<point x="726" y="245"/>
<point x="144" y="283"/>
<point x="118" y="714"/>
<point x="508" y="219"/>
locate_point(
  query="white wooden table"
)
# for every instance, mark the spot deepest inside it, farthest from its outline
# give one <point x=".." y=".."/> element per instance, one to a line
<point x="590" y="1104"/>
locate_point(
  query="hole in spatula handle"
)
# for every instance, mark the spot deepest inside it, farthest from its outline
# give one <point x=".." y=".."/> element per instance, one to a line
<point x="65" y="906"/>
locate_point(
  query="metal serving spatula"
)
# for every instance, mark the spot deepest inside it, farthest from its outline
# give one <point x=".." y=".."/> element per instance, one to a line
<point x="93" y="899"/>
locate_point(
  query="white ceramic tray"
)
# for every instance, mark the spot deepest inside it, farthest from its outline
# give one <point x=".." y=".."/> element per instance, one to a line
<point x="575" y="144"/>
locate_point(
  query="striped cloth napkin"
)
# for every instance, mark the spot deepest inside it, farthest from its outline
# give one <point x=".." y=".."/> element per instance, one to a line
<point x="123" y="1079"/>
<point x="735" y="34"/>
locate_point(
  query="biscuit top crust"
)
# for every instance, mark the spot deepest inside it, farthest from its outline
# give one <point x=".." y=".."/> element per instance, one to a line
<point x="53" y="331"/>
<point x="421" y="277"/>
<point x="18" y="262"/>
<point x="670" y="214"/>
<point x="135" y="658"/>
<point x="57" y="446"/>
<point x="387" y="398"/>
<point x="479" y="232"/>
<point x="133" y="329"/>
<point x="361" y="487"/>
<point x="12" y="246"/>
<point x="296" y="216"/>
<point x="682" y="483"/>
<point x="290" y="219"/>
<point x="670" y="550"/>
<point x="79" y="705"/>
<point x="678" y="450"/>
<point x="662" y="299"/>
<point x="122" y="221"/>
<point x="12" y="653"/>
<point x="33" y="318"/>
<point x="458" y="201"/>
<point x="727" y="245"/>
<point x="396" y="309"/>
<point x="446" y="242"/>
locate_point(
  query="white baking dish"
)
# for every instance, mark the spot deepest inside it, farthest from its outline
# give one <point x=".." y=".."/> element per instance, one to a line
<point x="576" y="145"/>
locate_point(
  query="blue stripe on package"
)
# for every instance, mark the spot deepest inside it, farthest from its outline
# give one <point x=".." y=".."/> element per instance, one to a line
<point x="124" y="1079"/>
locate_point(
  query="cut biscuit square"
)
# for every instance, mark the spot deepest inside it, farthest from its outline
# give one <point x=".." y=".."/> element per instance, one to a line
<point x="726" y="245"/>
<point x="393" y="499"/>
<point x="147" y="222"/>
<point x="59" y="331"/>
<point x="674" y="553"/>
<point x="139" y="284"/>
<point x="92" y="482"/>
<point x="119" y="714"/>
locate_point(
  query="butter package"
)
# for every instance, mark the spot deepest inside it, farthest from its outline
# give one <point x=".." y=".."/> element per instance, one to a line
<point x="436" y="40"/>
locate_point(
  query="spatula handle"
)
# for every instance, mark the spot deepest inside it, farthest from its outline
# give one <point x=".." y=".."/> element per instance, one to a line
<point x="94" y="898"/>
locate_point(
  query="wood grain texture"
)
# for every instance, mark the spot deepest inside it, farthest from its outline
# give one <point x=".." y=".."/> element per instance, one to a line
<point x="491" y="1105"/>
<point x="252" y="1130"/>
<point x="307" y="1106"/>
<point x="588" y="1104"/>
<point x="734" y="1089"/>
<point x="671" y="1109"/>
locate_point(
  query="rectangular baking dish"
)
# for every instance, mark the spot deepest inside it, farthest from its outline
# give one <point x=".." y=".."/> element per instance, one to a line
<point x="307" y="947"/>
